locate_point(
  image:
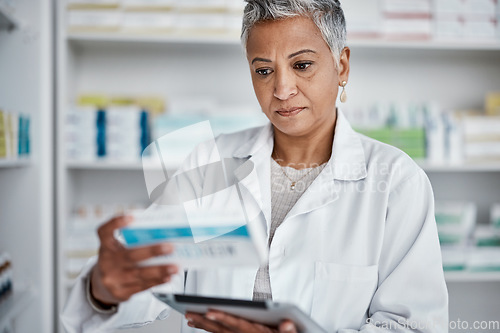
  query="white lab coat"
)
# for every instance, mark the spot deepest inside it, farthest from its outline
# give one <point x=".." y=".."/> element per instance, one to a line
<point x="358" y="252"/>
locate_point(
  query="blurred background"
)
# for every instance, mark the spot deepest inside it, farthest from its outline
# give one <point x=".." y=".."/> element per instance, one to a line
<point x="85" y="85"/>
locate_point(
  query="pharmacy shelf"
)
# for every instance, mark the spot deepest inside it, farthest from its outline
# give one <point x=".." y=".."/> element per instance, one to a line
<point x="174" y="38"/>
<point x="14" y="305"/>
<point x="18" y="163"/>
<point x="104" y="165"/>
<point x="110" y="165"/>
<point x="466" y="276"/>
<point x="7" y="22"/>
<point x="233" y="39"/>
<point x="459" y="45"/>
<point x="429" y="167"/>
<point x="462" y="167"/>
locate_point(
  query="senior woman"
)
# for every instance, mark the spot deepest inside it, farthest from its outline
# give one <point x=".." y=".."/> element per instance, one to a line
<point x="351" y="232"/>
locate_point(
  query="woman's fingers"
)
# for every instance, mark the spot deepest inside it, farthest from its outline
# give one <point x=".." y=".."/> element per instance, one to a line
<point x="217" y="321"/>
<point x="234" y="323"/>
<point x="287" y="326"/>
<point x="117" y="275"/>
<point x="106" y="232"/>
<point x="199" y="321"/>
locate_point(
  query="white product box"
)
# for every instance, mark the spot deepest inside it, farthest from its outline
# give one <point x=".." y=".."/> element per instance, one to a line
<point x="448" y="7"/>
<point x="407" y="6"/>
<point x="477" y="127"/>
<point x="233" y="22"/>
<point x="482" y="150"/>
<point x="235" y="5"/>
<point x="483" y="259"/>
<point x="148" y="21"/>
<point x="486" y="235"/>
<point x="408" y="28"/>
<point x="452" y="29"/>
<point x="201" y="21"/>
<point x="201" y="4"/>
<point x="454" y="258"/>
<point x="363" y="18"/>
<point x="94" y="19"/>
<point x="455" y="221"/>
<point x="151" y="4"/>
<point x="487" y="7"/>
<point x="483" y="29"/>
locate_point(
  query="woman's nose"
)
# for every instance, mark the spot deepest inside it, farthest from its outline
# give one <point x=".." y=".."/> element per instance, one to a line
<point x="284" y="86"/>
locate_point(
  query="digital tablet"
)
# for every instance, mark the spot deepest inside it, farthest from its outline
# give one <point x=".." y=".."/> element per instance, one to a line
<point x="263" y="312"/>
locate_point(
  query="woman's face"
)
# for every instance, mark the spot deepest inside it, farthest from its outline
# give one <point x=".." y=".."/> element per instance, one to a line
<point x="294" y="75"/>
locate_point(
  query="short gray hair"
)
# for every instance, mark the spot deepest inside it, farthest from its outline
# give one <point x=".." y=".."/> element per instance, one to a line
<point x="326" y="14"/>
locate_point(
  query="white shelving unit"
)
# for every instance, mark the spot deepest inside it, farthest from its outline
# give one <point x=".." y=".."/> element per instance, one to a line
<point x="455" y="74"/>
<point x="17" y="163"/>
<point x="26" y="185"/>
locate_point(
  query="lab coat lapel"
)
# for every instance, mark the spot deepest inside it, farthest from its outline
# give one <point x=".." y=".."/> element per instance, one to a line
<point x="256" y="187"/>
<point x="347" y="163"/>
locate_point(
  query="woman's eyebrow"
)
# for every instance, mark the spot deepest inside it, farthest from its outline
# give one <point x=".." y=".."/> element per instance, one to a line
<point x="260" y="59"/>
<point x="300" y="52"/>
<point x="289" y="57"/>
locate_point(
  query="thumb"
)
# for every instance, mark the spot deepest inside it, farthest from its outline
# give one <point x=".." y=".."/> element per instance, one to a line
<point x="287" y="327"/>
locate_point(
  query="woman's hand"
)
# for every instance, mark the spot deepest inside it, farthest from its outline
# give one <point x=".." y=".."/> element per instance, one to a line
<point x="117" y="275"/>
<point x="220" y="322"/>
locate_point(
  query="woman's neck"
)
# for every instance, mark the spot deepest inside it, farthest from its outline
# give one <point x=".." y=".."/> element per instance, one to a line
<point x="300" y="152"/>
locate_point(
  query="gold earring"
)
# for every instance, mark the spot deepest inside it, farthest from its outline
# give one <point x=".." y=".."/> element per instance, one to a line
<point x="343" y="95"/>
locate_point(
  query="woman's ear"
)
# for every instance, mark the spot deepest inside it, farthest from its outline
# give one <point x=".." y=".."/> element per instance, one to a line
<point x="344" y="65"/>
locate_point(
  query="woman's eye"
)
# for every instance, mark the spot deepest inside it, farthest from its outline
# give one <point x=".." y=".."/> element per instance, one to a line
<point x="263" y="71"/>
<point x="302" y="66"/>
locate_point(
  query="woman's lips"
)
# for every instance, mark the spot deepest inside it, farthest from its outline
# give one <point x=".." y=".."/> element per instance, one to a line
<point x="289" y="112"/>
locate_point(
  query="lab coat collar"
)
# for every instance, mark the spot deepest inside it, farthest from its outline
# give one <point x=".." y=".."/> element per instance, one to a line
<point x="348" y="159"/>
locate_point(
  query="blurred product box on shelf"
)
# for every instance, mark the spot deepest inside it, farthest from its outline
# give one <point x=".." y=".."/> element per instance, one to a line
<point x="495" y="215"/>
<point x="427" y="131"/>
<point x="190" y="22"/>
<point x="480" y="29"/>
<point x="472" y="19"/>
<point x="454" y="7"/>
<point x="94" y="20"/>
<point x="471" y="258"/>
<point x="223" y="119"/>
<point x="200" y="5"/>
<point x="480" y="7"/>
<point x="449" y="27"/>
<point x="481" y="136"/>
<point x="117" y="128"/>
<point x="407" y="19"/>
<point x="454" y="258"/>
<point x="93" y="3"/>
<point x="406" y="28"/>
<point x="411" y="141"/>
<point x="81" y="133"/>
<point x="364" y="18"/>
<point x="396" y="124"/>
<point x="6" y="277"/>
<point x="148" y="21"/>
<point x="483" y="259"/>
<point x="407" y="7"/>
<point x="148" y="4"/>
<point x="14" y="135"/>
<point x="493" y="103"/>
<point x="455" y="222"/>
<point x="486" y="235"/>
